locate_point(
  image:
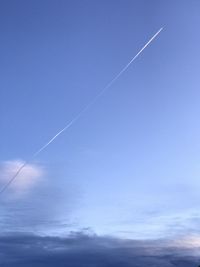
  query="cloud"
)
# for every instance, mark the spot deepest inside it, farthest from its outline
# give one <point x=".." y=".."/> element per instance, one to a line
<point x="79" y="249"/>
<point x="25" y="181"/>
<point x="37" y="201"/>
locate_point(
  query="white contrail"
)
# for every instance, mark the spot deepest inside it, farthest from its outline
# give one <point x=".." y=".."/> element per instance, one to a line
<point x="81" y="112"/>
<point x="96" y="97"/>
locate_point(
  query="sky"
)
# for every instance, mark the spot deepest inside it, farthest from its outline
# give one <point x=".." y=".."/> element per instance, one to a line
<point x="129" y="167"/>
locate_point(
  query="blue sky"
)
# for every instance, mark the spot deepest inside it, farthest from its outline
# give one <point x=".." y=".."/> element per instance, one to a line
<point x="130" y="166"/>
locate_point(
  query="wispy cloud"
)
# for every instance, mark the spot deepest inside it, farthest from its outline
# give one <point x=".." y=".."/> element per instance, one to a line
<point x="36" y="201"/>
<point x="27" y="179"/>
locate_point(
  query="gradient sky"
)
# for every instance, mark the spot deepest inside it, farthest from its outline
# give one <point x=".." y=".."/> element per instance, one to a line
<point x="130" y="166"/>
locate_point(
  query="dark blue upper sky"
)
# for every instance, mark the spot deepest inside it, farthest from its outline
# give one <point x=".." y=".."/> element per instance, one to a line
<point x="130" y="165"/>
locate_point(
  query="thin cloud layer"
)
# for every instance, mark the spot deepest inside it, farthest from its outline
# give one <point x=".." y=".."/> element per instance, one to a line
<point x="36" y="201"/>
<point x="78" y="250"/>
<point x="25" y="181"/>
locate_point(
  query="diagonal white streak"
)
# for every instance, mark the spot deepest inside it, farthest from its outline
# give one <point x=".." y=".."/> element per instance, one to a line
<point x="81" y="112"/>
<point x="97" y="96"/>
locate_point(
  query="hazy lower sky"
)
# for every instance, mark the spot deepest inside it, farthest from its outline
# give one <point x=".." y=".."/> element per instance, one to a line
<point x="130" y="166"/>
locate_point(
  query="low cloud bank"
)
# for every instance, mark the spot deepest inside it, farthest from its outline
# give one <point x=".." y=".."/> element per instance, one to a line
<point x="81" y="250"/>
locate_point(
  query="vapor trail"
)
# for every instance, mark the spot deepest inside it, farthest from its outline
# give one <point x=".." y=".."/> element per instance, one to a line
<point x="80" y="113"/>
<point x="97" y="96"/>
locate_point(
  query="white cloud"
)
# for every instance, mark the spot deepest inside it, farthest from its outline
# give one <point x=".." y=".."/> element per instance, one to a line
<point x="30" y="175"/>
